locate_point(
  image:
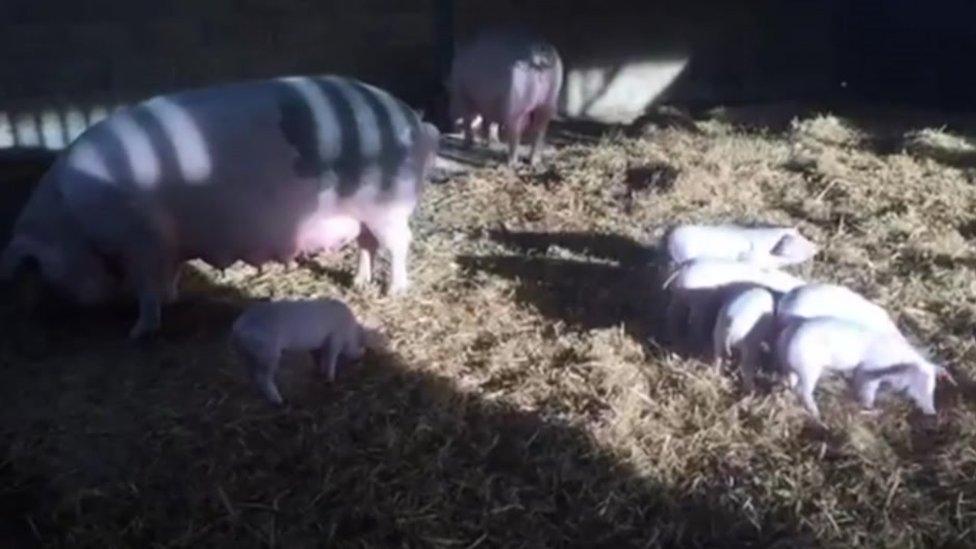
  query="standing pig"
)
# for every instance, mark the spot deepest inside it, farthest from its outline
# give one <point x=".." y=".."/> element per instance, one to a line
<point x="258" y="170"/>
<point x="821" y="299"/>
<point x="745" y="323"/>
<point x="324" y="327"/>
<point x="805" y="348"/>
<point x="698" y="286"/>
<point x="510" y="77"/>
<point x="767" y="246"/>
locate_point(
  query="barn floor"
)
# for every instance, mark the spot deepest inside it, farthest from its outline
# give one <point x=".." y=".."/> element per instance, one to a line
<point x="526" y="400"/>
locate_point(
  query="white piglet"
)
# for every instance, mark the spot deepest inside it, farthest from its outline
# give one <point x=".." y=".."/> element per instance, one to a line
<point x="806" y="348"/>
<point x="768" y="246"/>
<point x="326" y="328"/>
<point x="744" y="324"/>
<point x="819" y="299"/>
<point x="697" y="287"/>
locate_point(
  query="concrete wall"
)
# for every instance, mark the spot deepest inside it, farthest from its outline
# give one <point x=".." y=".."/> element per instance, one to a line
<point x="63" y="63"/>
<point x="62" y="59"/>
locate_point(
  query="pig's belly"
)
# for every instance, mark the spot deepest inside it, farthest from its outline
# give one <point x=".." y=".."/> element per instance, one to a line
<point x="326" y="233"/>
<point x="318" y="233"/>
<point x="278" y="230"/>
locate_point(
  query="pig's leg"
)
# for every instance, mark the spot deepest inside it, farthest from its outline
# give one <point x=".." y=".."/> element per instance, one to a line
<point x="749" y="358"/>
<point x="718" y="345"/>
<point x="174" y="287"/>
<point x="262" y="364"/>
<point x="921" y="388"/>
<point x="485" y="132"/>
<point x="867" y="389"/>
<point x="698" y="320"/>
<point x="806" y="378"/>
<point x="152" y="273"/>
<point x="328" y="358"/>
<point x="367" y="254"/>
<point x="541" y="119"/>
<point x="467" y="122"/>
<point x="676" y="319"/>
<point x="513" y="136"/>
<point x="393" y="234"/>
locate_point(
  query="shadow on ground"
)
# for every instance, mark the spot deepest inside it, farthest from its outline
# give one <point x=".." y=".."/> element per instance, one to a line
<point x="110" y="444"/>
<point x="616" y="286"/>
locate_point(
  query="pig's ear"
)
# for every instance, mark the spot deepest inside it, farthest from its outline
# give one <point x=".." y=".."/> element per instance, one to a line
<point x="782" y="244"/>
<point x="375" y="340"/>
<point x="22" y="250"/>
<point x="373" y="337"/>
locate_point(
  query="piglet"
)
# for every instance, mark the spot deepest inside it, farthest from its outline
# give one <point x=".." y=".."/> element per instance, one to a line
<point x="767" y="246"/>
<point x="806" y="348"/>
<point x="324" y="327"/>
<point x="820" y="299"/>
<point x="744" y="323"/>
<point x="698" y="286"/>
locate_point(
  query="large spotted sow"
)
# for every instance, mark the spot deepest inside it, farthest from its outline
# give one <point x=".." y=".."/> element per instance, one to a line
<point x="259" y="171"/>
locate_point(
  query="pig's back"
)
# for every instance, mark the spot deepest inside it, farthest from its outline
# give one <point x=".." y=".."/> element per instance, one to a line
<point x="236" y="169"/>
<point x="503" y="61"/>
<point x="844" y="342"/>
<point x="260" y="133"/>
<point x="689" y="242"/>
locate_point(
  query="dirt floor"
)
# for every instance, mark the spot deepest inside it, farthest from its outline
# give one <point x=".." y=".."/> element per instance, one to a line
<point x="526" y="399"/>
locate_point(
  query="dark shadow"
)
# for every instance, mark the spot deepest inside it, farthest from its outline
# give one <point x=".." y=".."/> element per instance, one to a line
<point x="604" y="246"/>
<point x="341" y="277"/>
<point x="20" y="169"/>
<point x="477" y="156"/>
<point x="583" y="132"/>
<point x="117" y="445"/>
<point x="615" y="287"/>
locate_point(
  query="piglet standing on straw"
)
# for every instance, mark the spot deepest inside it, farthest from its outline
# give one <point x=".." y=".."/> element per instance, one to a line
<point x="324" y="327"/>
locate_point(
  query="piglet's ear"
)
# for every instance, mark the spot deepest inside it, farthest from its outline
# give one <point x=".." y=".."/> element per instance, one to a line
<point x="782" y="244"/>
<point x="23" y="251"/>
<point x="374" y="339"/>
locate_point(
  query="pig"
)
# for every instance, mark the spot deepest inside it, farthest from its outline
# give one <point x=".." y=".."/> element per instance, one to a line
<point x="698" y="286"/>
<point x="510" y="77"/>
<point x="745" y="323"/>
<point x="262" y="170"/>
<point x="806" y="347"/>
<point x="325" y="328"/>
<point x="822" y="299"/>
<point x="766" y="246"/>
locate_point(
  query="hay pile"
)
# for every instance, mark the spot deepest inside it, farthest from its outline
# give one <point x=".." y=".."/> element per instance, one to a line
<point x="524" y="401"/>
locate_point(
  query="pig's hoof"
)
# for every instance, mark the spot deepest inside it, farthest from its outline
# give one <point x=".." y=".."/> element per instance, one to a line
<point x="361" y="282"/>
<point x="396" y="290"/>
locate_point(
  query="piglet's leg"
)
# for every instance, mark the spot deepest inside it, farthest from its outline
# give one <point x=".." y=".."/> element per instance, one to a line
<point x="676" y="317"/>
<point x="806" y="383"/>
<point x="698" y="318"/>
<point x="328" y="358"/>
<point x="718" y="345"/>
<point x="367" y="254"/>
<point x="866" y="388"/>
<point x="262" y="364"/>
<point x="750" y="356"/>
